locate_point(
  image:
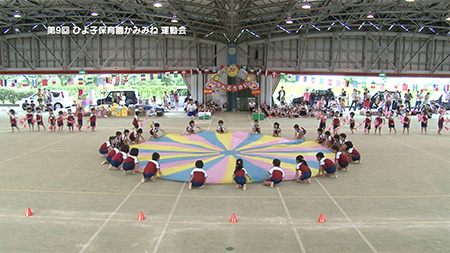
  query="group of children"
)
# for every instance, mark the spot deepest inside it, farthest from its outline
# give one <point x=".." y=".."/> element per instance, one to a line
<point x="36" y="117"/>
<point x="118" y="154"/>
<point x="380" y="119"/>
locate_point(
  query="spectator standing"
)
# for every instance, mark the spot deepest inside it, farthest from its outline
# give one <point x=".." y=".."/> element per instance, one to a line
<point x="408" y="97"/>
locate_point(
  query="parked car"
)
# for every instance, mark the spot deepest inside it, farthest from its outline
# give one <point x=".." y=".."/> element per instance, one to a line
<point x="315" y="96"/>
<point x="131" y="95"/>
<point x="60" y="99"/>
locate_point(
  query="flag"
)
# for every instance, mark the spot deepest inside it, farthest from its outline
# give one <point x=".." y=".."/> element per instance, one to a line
<point x="142" y="77"/>
<point x="199" y="71"/>
<point x="159" y="76"/>
<point x="321" y="81"/>
<point x="346" y="83"/>
<point x="44" y="82"/>
<point x="80" y="81"/>
<point x="405" y="87"/>
<point x="435" y="87"/>
<point x="2" y="82"/>
<point x="313" y="79"/>
<point x="266" y="73"/>
<point x="372" y="85"/>
<point x="183" y="73"/>
<point x="415" y="87"/>
<point x="192" y="72"/>
<point x="125" y="78"/>
<point x="167" y="74"/>
<point x="151" y="77"/>
<point x="425" y="87"/>
<point x="274" y="74"/>
<point x="305" y="79"/>
<point x="381" y="86"/>
<point x="330" y="82"/>
<point x="53" y="82"/>
<point x="446" y="87"/>
<point x="175" y="73"/>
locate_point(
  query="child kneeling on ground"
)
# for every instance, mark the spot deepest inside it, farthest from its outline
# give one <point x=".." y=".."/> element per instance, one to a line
<point x="198" y="175"/>
<point x="118" y="158"/>
<point x="327" y="166"/>
<point x="275" y="175"/>
<point x="151" y="169"/>
<point x="302" y="171"/>
<point x="240" y="174"/>
<point x="132" y="162"/>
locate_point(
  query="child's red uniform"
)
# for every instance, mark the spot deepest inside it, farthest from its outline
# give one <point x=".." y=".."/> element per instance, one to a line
<point x="12" y="120"/>
<point x="39" y="119"/>
<point x="150" y="169"/>
<point x="343" y="159"/>
<point x="336" y="122"/>
<point x="30" y="118"/>
<point x="70" y="120"/>
<point x="60" y="121"/>
<point x="80" y="117"/>
<point x="198" y="177"/>
<point x="92" y="119"/>
<point x="305" y="171"/>
<point x="136" y="121"/>
<point x="378" y="122"/>
<point x="104" y="147"/>
<point x="367" y="123"/>
<point x="356" y="156"/>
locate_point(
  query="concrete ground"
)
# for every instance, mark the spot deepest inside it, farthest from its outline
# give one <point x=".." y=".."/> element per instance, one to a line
<point x="396" y="200"/>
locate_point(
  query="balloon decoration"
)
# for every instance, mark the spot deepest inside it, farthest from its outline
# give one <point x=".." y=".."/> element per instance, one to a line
<point x="232" y="71"/>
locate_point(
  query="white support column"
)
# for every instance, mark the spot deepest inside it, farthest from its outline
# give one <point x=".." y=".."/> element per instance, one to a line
<point x="266" y="86"/>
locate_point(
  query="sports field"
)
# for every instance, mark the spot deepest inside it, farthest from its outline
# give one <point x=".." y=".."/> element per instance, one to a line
<point x="396" y="200"/>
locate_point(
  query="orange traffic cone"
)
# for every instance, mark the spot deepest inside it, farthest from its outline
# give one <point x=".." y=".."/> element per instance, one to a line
<point x="141" y="216"/>
<point x="321" y="218"/>
<point x="28" y="212"/>
<point x="233" y="218"/>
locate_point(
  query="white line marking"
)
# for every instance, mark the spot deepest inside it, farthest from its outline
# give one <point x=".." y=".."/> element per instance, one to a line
<point x="108" y="219"/>
<point x="421" y="150"/>
<point x="299" y="240"/>
<point x="348" y="218"/>
<point x="163" y="232"/>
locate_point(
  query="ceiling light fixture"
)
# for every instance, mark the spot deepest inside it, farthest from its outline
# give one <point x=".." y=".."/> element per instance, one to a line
<point x="289" y="20"/>
<point x="174" y="19"/>
<point x="448" y="18"/>
<point x="17" y="14"/>
<point x="306" y="6"/>
<point x="157" y="4"/>
<point x="370" y="15"/>
<point x="94" y="14"/>
<point x="409" y="1"/>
